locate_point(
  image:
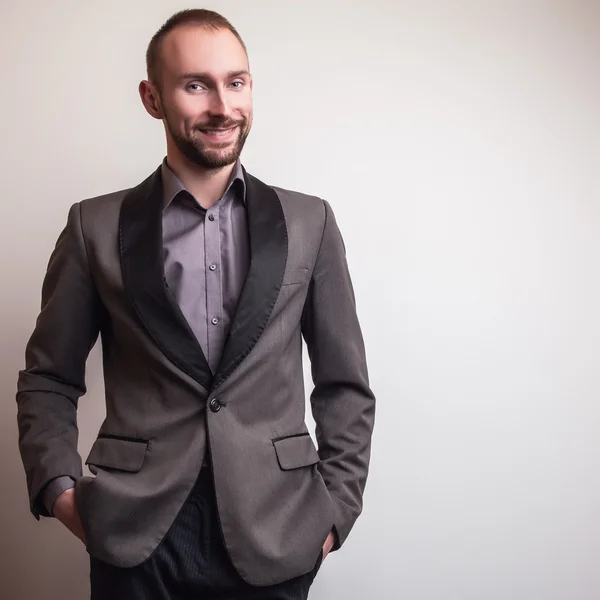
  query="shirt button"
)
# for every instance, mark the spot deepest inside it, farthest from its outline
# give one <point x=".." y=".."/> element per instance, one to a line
<point x="214" y="320"/>
<point x="211" y="217"/>
<point x="212" y="267"/>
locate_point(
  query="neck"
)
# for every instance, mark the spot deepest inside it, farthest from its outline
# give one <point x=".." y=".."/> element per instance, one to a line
<point x="206" y="185"/>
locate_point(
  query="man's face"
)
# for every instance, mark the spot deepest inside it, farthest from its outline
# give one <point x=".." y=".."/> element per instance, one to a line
<point x="206" y="94"/>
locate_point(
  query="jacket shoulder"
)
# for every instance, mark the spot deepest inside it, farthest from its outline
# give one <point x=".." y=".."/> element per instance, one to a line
<point x="100" y="214"/>
<point x="298" y="207"/>
<point x="104" y="202"/>
<point x="292" y="196"/>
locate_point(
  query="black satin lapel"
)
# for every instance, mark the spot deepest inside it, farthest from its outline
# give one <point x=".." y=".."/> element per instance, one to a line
<point x="141" y="247"/>
<point x="268" y="257"/>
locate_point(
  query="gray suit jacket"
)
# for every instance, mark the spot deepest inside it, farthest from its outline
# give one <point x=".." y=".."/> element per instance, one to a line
<point x="277" y="496"/>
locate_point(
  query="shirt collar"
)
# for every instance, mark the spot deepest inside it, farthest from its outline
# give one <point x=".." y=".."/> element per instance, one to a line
<point x="172" y="185"/>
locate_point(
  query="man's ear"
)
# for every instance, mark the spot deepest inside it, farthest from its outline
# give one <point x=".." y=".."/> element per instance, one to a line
<point x="151" y="99"/>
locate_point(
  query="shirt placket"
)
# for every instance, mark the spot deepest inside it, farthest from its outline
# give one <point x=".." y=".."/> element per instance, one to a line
<point x="212" y="270"/>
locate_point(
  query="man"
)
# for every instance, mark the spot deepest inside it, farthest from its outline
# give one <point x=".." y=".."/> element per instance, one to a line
<point x="202" y="282"/>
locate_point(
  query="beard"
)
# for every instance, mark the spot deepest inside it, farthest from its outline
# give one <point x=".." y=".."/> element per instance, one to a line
<point x="211" y="155"/>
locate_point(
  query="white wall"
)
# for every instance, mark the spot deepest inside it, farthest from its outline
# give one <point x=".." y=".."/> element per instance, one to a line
<point x="458" y="143"/>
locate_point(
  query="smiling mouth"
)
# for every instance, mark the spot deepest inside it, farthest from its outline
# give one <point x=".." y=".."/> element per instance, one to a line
<point x="219" y="134"/>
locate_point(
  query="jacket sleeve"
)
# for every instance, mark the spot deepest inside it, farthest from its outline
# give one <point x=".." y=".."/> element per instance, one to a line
<point x="342" y="403"/>
<point x="49" y="387"/>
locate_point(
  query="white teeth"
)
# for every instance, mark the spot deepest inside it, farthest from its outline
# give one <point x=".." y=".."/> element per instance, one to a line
<point x="219" y="132"/>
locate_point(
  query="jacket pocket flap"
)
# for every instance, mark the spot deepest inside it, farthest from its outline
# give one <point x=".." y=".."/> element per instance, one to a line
<point x="295" y="451"/>
<point x="115" y="453"/>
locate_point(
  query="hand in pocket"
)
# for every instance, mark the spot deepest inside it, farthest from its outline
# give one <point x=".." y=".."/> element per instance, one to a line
<point x="65" y="510"/>
<point x="328" y="545"/>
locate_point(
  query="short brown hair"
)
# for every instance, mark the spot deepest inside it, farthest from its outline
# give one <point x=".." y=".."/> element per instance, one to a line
<point x="193" y="16"/>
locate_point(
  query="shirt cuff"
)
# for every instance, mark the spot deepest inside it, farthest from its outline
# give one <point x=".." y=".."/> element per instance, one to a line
<point x="54" y="489"/>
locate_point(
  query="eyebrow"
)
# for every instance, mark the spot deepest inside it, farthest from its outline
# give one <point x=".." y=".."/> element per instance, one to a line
<point x="229" y="75"/>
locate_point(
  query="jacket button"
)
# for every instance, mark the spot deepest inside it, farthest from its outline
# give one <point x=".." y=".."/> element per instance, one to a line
<point x="215" y="405"/>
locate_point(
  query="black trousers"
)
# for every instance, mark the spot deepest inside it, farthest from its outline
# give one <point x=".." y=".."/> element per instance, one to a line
<point x="190" y="563"/>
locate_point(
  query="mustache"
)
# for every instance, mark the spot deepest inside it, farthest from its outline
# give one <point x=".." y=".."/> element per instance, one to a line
<point x="219" y="124"/>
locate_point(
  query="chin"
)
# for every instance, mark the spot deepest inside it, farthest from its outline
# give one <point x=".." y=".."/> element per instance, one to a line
<point x="219" y="162"/>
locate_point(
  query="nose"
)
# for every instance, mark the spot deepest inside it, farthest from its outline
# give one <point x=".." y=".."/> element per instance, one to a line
<point x="218" y="105"/>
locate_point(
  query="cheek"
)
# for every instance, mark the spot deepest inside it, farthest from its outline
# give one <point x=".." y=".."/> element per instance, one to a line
<point x="245" y="108"/>
<point x="186" y="110"/>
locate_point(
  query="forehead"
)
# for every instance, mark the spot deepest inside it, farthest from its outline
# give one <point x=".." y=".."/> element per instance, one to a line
<point x="195" y="49"/>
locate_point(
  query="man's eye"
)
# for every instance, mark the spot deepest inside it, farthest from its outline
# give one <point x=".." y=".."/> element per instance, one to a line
<point x="237" y="84"/>
<point x="195" y="87"/>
